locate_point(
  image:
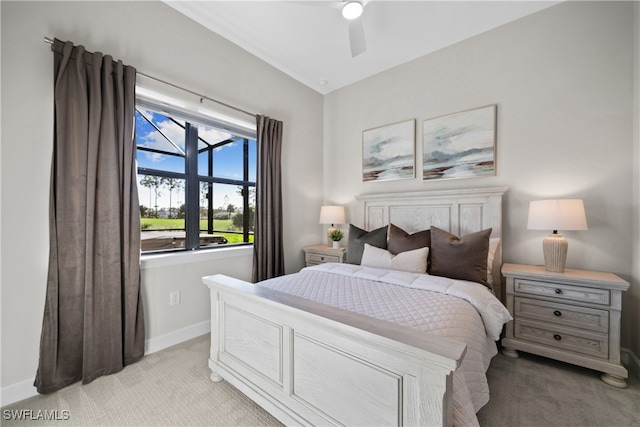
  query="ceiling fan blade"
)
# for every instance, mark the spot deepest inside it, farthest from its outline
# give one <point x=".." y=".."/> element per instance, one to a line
<point x="356" y="37"/>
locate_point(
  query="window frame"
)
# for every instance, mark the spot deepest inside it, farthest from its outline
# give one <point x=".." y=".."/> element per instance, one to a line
<point x="191" y="177"/>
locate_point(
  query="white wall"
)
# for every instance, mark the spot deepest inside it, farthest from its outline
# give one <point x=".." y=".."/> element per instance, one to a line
<point x="160" y="42"/>
<point x="563" y="83"/>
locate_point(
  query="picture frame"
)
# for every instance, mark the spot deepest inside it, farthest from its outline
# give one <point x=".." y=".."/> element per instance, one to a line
<point x="460" y="145"/>
<point x="388" y="152"/>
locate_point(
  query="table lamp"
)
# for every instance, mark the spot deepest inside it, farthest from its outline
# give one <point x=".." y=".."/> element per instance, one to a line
<point x="331" y="215"/>
<point x="563" y="214"/>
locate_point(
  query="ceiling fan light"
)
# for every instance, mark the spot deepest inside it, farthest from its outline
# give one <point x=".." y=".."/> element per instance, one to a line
<point x="352" y="10"/>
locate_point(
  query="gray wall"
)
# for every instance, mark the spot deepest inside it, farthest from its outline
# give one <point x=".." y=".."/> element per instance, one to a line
<point x="160" y="42"/>
<point x="563" y="82"/>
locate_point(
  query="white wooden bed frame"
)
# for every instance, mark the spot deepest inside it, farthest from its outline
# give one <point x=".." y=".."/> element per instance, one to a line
<point x="310" y="364"/>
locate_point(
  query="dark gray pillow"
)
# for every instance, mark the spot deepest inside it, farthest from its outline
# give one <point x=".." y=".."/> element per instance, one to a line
<point x="462" y="258"/>
<point x="358" y="237"/>
<point x="401" y="241"/>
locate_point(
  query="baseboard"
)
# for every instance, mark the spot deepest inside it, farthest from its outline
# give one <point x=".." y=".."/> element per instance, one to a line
<point x="176" y="337"/>
<point x="24" y="389"/>
<point x="18" y="391"/>
<point x="631" y="361"/>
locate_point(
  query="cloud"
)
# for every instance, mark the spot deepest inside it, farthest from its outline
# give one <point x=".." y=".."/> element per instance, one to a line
<point x="159" y="140"/>
<point x="212" y="135"/>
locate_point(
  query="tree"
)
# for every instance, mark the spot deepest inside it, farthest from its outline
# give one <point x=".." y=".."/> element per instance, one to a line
<point x="252" y="194"/>
<point x="204" y="192"/>
<point x="230" y="209"/>
<point x="153" y="183"/>
<point x="225" y="204"/>
<point x="172" y="184"/>
<point x="238" y="219"/>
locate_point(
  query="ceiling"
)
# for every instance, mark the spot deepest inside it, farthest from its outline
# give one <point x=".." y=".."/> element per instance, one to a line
<point x="309" y="40"/>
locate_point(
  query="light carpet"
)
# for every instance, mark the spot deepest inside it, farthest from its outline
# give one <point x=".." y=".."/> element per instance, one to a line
<point x="172" y="388"/>
<point x="167" y="388"/>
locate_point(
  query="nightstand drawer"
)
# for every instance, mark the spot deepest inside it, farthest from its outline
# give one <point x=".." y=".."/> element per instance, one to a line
<point x="576" y="341"/>
<point x="313" y="258"/>
<point x="562" y="292"/>
<point x="319" y="254"/>
<point x="563" y="314"/>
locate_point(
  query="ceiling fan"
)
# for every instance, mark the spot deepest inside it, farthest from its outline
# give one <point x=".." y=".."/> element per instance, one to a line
<point x="351" y="11"/>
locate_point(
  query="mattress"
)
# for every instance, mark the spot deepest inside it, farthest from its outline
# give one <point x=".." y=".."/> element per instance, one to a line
<point x="456" y="309"/>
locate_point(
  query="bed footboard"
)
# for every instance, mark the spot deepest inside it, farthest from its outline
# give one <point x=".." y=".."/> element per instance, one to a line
<point x="310" y="364"/>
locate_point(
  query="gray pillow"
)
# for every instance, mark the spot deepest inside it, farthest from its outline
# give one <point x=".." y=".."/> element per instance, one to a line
<point x="358" y="237"/>
<point x="401" y="241"/>
<point x="462" y="258"/>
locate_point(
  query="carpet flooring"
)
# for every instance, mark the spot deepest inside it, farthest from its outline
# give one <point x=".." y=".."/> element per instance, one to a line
<point x="172" y="388"/>
<point x="534" y="391"/>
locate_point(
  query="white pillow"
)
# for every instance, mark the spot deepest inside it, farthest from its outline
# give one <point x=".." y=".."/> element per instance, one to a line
<point x="414" y="261"/>
<point x="493" y="246"/>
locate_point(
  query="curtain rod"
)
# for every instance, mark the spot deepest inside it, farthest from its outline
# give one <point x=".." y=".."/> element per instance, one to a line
<point x="50" y="41"/>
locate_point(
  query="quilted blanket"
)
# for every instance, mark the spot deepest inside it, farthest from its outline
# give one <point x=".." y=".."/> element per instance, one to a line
<point x="456" y="309"/>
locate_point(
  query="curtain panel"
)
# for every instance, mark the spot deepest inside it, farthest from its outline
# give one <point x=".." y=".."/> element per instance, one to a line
<point x="268" y="253"/>
<point x="93" y="318"/>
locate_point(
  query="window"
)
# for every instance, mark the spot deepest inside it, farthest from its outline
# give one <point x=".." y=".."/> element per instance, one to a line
<point x="196" y="182"/>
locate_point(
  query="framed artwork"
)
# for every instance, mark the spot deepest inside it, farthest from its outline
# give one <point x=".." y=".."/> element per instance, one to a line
<point x="388" y="152"/>
<point x="460" y="145"/>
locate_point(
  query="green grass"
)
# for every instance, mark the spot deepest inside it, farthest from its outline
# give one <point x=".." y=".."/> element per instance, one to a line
<point x="174" y="223"/>
<point x="159" y="224"/>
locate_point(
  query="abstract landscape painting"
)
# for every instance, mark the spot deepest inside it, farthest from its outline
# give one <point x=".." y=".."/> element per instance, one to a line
<point x="388" y="152"/>
<point x="460" y="145"/>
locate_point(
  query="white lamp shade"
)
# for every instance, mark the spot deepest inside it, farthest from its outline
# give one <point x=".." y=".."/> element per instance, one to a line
<point x="563" y="214"/>
<point x="332" y="215"/>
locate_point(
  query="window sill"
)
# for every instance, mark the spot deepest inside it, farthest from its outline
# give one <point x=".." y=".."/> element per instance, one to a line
<point x="187" y="257"/>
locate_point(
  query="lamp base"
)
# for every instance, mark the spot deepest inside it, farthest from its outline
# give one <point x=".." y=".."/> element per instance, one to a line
<point x="554" y="248"/>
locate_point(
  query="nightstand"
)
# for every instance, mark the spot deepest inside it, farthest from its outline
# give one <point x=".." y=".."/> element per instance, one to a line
<point x="320" y="254"/>
<point x="573" y="317"/>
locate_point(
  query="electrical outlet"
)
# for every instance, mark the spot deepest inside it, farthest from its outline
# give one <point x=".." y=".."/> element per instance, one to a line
<point x="174" y="297"/>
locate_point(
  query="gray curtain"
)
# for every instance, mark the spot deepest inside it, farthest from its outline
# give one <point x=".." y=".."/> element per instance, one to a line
<point x="93" y="320"/>
<point x="268" y="253"/>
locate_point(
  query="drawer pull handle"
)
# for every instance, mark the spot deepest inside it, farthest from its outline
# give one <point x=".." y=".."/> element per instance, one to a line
<point x="322" y="258"/>
<point x="557" y="313"/>
<point x="557" y="337"/>
<point x="558" y="291"/>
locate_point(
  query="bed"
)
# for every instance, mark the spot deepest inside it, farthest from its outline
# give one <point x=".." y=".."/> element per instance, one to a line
<point x="352" y="344"/>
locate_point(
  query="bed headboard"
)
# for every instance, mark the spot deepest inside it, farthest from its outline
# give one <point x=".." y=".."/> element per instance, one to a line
<point x="458" y="211"/>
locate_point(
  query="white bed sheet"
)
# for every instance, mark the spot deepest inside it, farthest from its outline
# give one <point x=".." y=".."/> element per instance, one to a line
<point x="442" y="306"/>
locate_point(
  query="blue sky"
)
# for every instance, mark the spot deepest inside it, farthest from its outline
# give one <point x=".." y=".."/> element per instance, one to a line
<point x="227" y="159"/>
